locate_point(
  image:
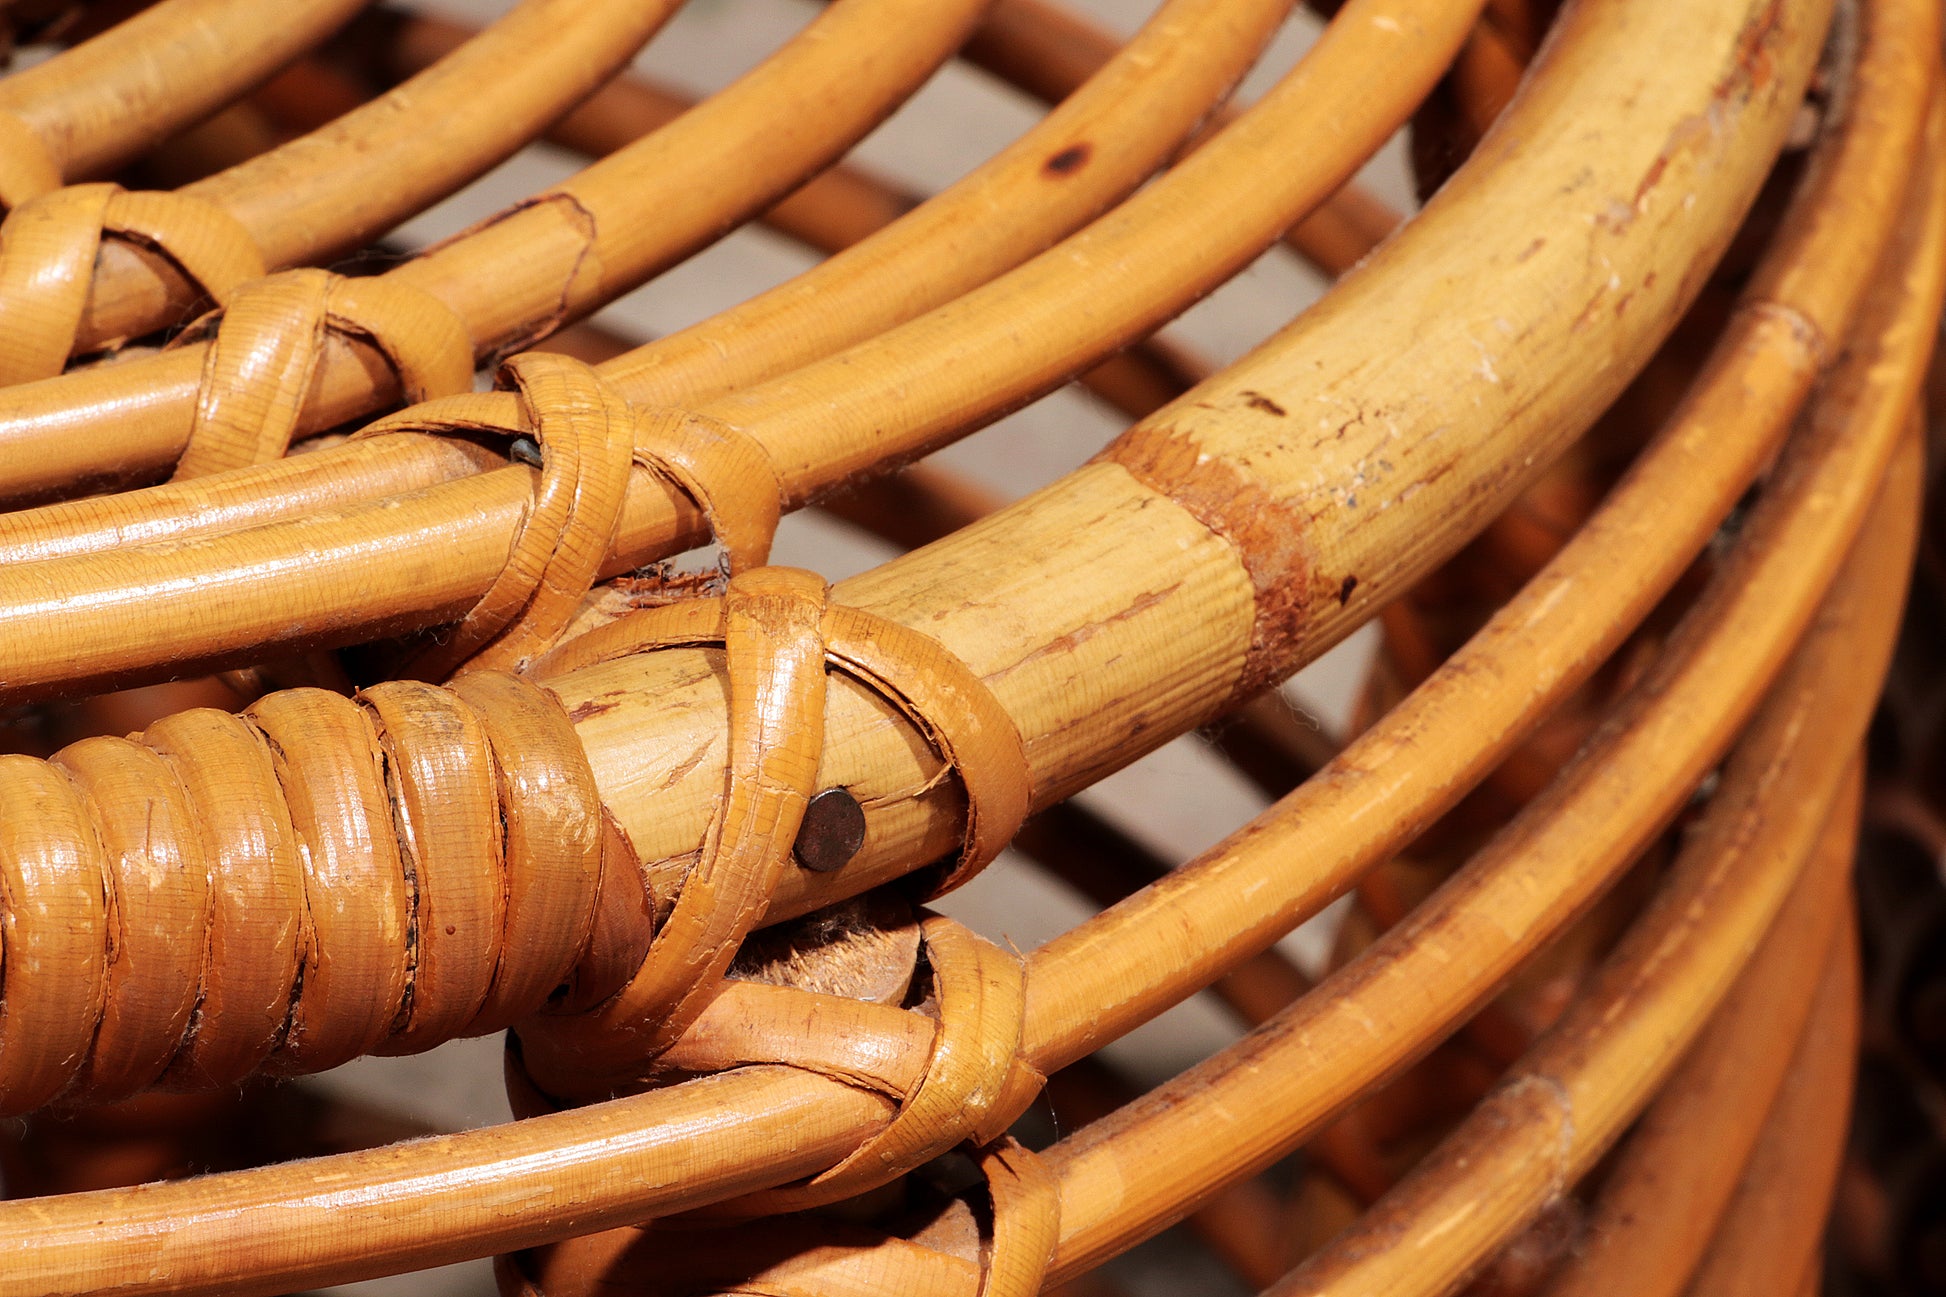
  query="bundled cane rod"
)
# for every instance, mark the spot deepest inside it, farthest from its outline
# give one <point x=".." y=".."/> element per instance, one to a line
<point x="1768" y="1240"/>
<point x="1502" y="1163"/>
<point x="1220" y="644"/>
<point x="1792" y="733"/>
<point x="847" y="204"/>
<point x="1190" y="57"/>
<point x="1561" y="1106"/>
<point x="1353" y="1025"/>
<point x="899" y="274"/>
<point x="86" y="266"/>
<point x="1622" y="546"/>
<point x="881" y="401"/>
<point x="560" y="253"/>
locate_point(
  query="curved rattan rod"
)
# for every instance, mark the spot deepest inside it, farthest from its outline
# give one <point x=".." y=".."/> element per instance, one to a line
<point x="892" y="396"/>
<point x="1683" y="950"/>
<point x="1448" y="952"/>
<point x="1657" y="1210"/>
<point x="1037" y="47"/>
<point x="555" y="256"/>
<point x="1244" y="1226"/>
<point x="96" y="105"/>
<point x="1105" y="865"/>
<point x="841" y="206"/>
<point x="819" y="1135"/>
<point x="344" y="184"/>
<point x="1146" y="1175"/>
<point x="548" y="243"/>
<point x="1769" y="1238"/>
<point x="336" y="188"/>
<point x="1561" y="1106"/>
<point x="1795" y="758"/>
<point x="643" y="747"/>
<point x="835" y="208"/>
<point x="1047" y="52"/>
<point x="1461" y="721"/>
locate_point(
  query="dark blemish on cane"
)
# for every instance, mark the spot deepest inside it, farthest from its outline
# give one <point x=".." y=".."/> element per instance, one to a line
<point x="1258" y="401"/>
<point x="1344" y="591"/>
<point x="1069" y="160"/>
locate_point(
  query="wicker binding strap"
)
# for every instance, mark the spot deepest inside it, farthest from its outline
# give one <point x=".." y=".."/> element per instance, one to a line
<point x="974" y="1082"/>
<point x="47" y="261"/>
<point x="317" y="879"/>
<point x="322" y="877"/>
<point x="778" y="630"/>
<point x="270" y="338"/>
<point x="587" y="437"/>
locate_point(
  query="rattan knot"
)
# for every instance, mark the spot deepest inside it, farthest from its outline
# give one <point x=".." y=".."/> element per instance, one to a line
<point x="27" y="169"/>
<point x="976" y="1083"/>
<point x="768" y="623"/>
<point x="778" y="631"/>
<point x="265" y="345"/>
<point x="953" y="1063"/>
<point x="725" y="470"/>
<point x="588" y="436"/>
<point x="47" y="259"/>
<point x="1026" y="1197"/>
<point x="585" y="431"/>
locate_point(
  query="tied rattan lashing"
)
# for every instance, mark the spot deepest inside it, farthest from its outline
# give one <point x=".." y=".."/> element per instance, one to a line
<point x="1619" y="437"/>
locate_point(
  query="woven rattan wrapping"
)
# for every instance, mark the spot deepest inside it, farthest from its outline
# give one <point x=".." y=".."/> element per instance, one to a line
<point x="360" y="700"/>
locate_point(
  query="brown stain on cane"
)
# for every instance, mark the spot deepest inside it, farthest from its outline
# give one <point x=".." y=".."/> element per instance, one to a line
<point x="1258" y="401"/>
<point x="593" y="707"/>
<point x="1651" y="178"/>
<point x="1755" y="57"/>
<point x="1270" y="537"/>
<point x="1753" y="70"/>
<point x="1069" y="160"/>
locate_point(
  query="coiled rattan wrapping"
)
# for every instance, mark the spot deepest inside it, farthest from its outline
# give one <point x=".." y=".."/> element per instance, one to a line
<point x="1620" y="438"/>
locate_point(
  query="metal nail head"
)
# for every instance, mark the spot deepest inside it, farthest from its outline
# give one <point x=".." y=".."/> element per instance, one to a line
<point x="832" y="832"/>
